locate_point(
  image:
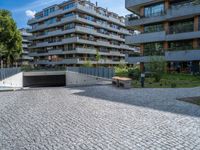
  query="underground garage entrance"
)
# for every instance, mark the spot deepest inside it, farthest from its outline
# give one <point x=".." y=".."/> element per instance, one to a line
<point x="44" y="79"/>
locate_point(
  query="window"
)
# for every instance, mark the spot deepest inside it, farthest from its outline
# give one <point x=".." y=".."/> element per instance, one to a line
<point x="153" y="28"/>
<point x="180" y="45"/>
<point x="69" y="6"/>
<point x="52" y="9"/>
<point x="90" y="18"/>
<point x="180" y="27"/>
<point x="154" y="10"/>
<point x="50" y="21"/>
<point x="69" y="26"/>
<point x="46" y="12"/>
<point x="181" y="3"/>
<point x="153" y="49"/>
<point x="68" y="15"/>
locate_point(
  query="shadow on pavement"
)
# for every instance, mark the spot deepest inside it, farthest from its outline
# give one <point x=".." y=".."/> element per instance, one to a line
<point x="158" y="99"/>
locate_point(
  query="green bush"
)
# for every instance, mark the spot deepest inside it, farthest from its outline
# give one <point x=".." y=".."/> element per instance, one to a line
<point x="26" y="68"/>
<point x="87" y="64"/>
<point x="134" y="73"/>
<point x="124" y="71"/>
<point x="173" y="85"/>
<point x="157" y="76"/>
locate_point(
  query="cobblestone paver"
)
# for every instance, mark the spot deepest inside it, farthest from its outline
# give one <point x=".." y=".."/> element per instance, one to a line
<point x="99" y="117"/>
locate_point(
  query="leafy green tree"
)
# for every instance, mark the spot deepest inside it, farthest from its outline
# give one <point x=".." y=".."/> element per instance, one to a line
<point x="10" y="38"/>
<point x="87" y="64"/>
<point x="98" y="57"/>
<point x="157" y="66"/>
<point x="196" y="2"/>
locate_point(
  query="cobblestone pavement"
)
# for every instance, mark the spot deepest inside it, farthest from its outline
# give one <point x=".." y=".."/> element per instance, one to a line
<point x="99" y="117"/>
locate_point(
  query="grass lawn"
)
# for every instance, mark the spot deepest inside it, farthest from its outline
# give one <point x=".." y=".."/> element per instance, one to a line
<point x="171" y="81"/>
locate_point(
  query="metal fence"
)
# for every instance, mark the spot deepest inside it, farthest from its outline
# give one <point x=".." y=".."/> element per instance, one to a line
<point x="98" y="71"/>
<point x="8" y="72"/>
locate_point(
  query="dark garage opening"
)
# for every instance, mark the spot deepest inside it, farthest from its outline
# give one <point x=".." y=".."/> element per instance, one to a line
<point x="44" y="81"/>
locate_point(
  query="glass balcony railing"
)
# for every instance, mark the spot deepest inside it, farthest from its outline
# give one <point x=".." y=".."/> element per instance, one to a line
<point x="181" y="48"/>
<point x="136" y="17"/>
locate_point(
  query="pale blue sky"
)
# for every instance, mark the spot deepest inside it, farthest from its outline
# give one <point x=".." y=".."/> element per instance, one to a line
<point x="22" y="9"/>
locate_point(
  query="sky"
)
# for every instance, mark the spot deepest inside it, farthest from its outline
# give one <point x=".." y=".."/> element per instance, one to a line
<point x="22" y="10"/>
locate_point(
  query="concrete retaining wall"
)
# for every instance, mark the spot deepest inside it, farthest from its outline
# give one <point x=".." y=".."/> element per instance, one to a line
<point x="78" y="79"/>
<point x="13" y="81"/>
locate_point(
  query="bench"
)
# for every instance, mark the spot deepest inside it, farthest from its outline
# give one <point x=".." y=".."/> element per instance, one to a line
<point x="122" y="82"/>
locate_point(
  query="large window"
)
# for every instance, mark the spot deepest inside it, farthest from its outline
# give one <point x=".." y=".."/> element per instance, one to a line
<point x="50" y="21"/>
<point x="69" y="26"/>
<point x="48" y="11"/>
<point x="154" y="10"/>
<point x="183" y="26"/>
<point x="153" y="49"/>
<point x="69" y="6"/>
<point x="153" y="28"/>
<point x="181" y="3"/>
<point x="180" y="45"/>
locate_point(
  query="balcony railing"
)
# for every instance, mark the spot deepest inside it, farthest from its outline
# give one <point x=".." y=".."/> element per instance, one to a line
<point x="136" y="17"/>
<point x="180" y="48"/>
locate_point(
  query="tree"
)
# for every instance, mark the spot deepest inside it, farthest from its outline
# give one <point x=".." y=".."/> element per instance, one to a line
<point x="157" y="67"/>
<point x="10" y="38"/>
<point x="87" y="64"/>
<point x="196" y="2"/>
<point x="98" y="57"/>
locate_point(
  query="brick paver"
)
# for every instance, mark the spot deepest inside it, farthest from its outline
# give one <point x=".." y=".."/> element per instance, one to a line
<point x="99" y="117"/>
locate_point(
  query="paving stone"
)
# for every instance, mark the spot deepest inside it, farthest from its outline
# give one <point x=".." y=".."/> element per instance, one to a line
<point x="99" y="117"/>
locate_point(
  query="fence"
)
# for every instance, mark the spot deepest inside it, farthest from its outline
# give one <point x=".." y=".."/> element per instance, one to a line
<point x="99" y="71"/>
<point x="8" y="72"/>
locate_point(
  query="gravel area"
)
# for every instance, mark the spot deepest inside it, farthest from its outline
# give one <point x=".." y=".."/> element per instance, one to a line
<point x="99" y="117"/>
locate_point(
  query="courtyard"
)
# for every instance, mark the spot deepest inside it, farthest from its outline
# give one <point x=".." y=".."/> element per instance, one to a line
<point x="99" y="117"/>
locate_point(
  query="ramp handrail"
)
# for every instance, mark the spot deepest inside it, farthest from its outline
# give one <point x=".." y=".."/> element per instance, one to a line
<point x="8" y="72"/>
<point x="103" y="72"/>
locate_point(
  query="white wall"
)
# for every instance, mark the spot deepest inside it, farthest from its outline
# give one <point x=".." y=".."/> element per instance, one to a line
<point x="78" y="79"/>
<point x="13" y="81"/>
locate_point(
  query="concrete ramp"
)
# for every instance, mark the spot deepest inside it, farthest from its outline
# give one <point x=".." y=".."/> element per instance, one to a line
<point x="79" y="79"/>
<point x="14" y="81"/>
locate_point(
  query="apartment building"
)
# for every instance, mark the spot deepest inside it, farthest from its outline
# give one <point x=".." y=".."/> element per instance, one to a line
<point x="25" y="59"/>
<point x="169" y="29"/>
<point x="77" y="31"/>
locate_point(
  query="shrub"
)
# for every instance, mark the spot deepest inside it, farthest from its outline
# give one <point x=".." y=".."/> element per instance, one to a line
<point x="173" y="85"/>
<point x="87" y="64"/>
<point x="26" y="68"/>
<point x="157" y="76"/>
<point x="134" y="73"/>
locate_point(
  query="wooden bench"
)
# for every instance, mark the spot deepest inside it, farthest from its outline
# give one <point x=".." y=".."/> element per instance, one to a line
<point x="122" y="82"/>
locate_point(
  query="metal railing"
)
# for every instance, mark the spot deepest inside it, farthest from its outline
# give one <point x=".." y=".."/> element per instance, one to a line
<point x="103" y="72"/>
<point x="8" y="72"/>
